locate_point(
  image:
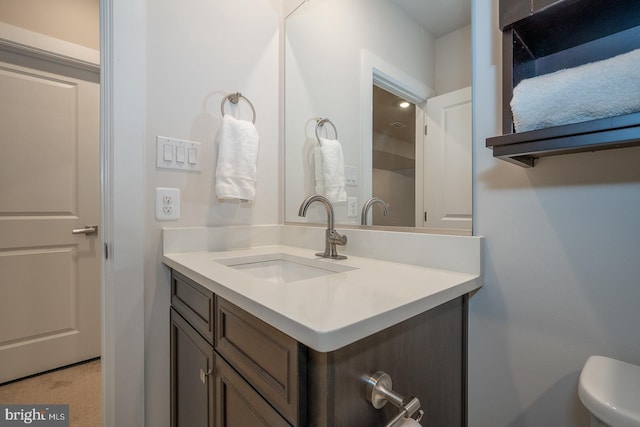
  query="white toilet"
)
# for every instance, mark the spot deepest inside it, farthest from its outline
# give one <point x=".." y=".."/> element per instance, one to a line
<point x="610" y="389"/>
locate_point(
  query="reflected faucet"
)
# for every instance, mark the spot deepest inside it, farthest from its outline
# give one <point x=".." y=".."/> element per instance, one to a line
<point x="332" y="237"/>
<point x="367" y="205"/>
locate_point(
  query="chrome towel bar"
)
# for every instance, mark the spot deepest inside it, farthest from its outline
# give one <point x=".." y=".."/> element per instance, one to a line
<point x="320" y="123"/>
<point x="234" y="98"/>
<point x="379" y="392"/>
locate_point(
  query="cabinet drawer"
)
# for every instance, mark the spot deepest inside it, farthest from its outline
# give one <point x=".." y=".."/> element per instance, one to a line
<point x="194" y="303"/>
<point x="238" y="405"/>
<point x="267" y="358"/>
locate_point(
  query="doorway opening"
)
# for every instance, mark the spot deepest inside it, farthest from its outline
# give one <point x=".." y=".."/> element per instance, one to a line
<point x="393" y="158"/>
<point x="50" y="249"/>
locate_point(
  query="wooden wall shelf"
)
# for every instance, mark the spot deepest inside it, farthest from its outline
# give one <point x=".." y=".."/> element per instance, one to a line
<point x="523" y="148"/>
<point x="544" y="36"/>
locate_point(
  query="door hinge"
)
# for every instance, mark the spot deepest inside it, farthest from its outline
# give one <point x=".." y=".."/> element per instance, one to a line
<point x="425" y="216"/>
<point x="425" y="130"/>
<point x="106" y="251"/>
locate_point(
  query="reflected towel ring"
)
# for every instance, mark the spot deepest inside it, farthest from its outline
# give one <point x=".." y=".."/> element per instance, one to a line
<point x="321" y="123"/>
<point x="234" y="98"/>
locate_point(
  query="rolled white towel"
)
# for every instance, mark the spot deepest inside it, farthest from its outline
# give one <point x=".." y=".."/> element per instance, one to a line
<point x="606" y="88"/>
<point x="237" y="158"/>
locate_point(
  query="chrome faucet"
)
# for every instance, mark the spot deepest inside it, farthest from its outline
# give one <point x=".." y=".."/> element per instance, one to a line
<point x="332" y="237"/>
<point x="367" y="205"/>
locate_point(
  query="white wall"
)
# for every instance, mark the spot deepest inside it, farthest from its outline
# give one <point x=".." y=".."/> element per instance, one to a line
<point x="197" y="52"/>
<point x="561" y="265"/>
<point x="453" y="61"/>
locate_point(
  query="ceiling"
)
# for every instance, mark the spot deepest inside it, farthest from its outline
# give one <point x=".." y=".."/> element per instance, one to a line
<point x="438" y="17"/>
<point x="389" y="119"/>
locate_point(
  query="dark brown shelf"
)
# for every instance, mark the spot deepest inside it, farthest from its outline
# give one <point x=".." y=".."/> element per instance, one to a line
<point x="603" y="134"/>
<point x="544" y="36"/>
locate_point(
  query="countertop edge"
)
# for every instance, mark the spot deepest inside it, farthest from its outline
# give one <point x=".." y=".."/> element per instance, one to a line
<point x="328" y="341"/>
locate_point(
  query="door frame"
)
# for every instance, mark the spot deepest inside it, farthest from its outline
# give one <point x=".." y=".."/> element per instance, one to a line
<point x="376" y="71"/>
<point x="121" y="186"/>
<point x="122" y="136"/>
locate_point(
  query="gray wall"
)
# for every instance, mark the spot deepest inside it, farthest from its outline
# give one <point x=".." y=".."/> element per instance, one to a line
<point x="562" y="270"/>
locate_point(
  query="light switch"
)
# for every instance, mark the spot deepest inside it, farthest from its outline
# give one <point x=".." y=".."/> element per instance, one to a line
<point x="193" y="156"/>
<point x="168" y="152"/>
<point x="180" y="154"/>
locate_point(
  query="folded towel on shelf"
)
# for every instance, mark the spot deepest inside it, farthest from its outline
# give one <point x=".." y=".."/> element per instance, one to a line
<point x="606" y="88"/>
<point x="329" y="170"/>
<point x="237" y="158"/>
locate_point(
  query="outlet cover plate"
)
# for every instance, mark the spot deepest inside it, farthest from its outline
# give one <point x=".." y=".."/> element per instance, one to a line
<point x="167" y="204"/>
<point x="352" y="207"/>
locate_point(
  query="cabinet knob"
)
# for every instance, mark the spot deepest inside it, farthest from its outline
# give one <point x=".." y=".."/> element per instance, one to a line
<point x="204" y="375"/>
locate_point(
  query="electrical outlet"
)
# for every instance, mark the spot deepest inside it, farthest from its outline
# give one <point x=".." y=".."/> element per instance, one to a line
<point x="167" y="204"/>
<point x="352" y="207"/>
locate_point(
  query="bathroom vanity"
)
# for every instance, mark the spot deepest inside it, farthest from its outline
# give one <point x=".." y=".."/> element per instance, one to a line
<point x="252" y="348"/>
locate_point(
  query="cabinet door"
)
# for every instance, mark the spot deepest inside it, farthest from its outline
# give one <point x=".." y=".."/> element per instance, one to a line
<point x="238" y="404"/>
<point x="192" y="398"/>
<point x="268" y="359"/>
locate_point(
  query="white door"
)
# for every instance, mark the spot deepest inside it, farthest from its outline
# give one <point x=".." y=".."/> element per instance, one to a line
<point x="49" y="185"/>
<point x="447" y="162"/>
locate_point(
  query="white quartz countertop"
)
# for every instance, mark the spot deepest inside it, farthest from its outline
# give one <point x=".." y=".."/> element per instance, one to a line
<point x="328" y="312"/>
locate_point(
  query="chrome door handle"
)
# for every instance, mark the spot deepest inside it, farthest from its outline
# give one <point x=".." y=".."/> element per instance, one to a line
<point x="88" y="230"/>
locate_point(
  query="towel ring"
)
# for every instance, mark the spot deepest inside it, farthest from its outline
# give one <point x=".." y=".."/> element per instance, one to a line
<point x="234" y="98"/>
<point x="321" y="123"/>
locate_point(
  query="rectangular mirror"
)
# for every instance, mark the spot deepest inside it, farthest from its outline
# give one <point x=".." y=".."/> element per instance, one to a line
<point x="374" y="75"/>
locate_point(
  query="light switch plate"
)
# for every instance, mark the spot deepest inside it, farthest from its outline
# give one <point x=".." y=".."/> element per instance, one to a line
<point x="350" y="175"/>
<point x="180" y="154"/>
<point x="167" y="204"/>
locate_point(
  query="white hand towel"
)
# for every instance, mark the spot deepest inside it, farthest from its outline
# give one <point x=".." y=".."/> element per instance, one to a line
<point x="329" y="170"/>
<point x="591" y="91"/>
<point x="308" y="165"/>
<point x="317" y="170"/>
<point x="237" y="158"/>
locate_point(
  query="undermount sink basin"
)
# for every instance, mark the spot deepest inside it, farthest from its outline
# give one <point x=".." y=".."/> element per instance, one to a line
<point x="283" y="268"/>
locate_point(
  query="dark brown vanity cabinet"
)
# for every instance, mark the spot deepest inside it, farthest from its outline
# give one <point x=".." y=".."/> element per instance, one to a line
<point x="544" y="36"/>
<point x="231" y="369"/>
<point x="246" y="376"/>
